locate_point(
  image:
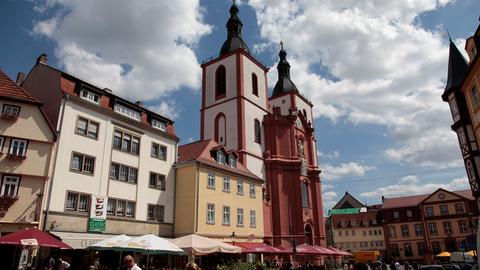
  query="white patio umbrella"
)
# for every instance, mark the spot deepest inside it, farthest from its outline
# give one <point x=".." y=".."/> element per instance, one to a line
<point x="110" y="243"/>
<point x="150" y="244"/>
<point x="198" y="245"/>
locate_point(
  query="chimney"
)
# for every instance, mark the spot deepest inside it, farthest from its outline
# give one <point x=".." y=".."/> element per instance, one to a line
<point x="107" y="90"/>
<point x="20" y="78"/>
<point x="139" y="103"/>
<point x="42" y="59"/>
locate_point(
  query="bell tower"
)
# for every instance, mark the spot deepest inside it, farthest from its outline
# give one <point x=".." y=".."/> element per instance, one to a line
<point x="235" y="98"/>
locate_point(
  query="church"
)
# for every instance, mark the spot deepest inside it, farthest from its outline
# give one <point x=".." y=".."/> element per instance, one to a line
<point x="273" y="136"/>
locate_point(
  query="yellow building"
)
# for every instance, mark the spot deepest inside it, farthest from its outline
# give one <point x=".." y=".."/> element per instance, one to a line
<point x="216" y="196"/>
<point x="26" y="142"/>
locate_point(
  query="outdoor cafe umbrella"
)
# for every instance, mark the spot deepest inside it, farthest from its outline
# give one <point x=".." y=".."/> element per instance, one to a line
<point x="340" y="252"/>
<point x="149" y="244"/>
<point x="260" y="248"/>
<point x="443" y="254"/>
<point x="198" y="245"/>
<point x="32" y="237"/>
<point x="110" y="243"/>
<point x="305" y="249"/>
<point x="325" y="251"/>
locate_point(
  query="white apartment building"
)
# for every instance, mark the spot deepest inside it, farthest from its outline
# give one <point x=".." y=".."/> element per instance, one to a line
<point x="112" y="169"/>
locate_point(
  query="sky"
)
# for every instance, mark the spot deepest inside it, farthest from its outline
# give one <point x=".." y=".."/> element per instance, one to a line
<point x="374" y="70"/>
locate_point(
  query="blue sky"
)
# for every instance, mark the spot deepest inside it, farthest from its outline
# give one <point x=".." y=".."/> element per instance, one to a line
<point x="374" y="70"/>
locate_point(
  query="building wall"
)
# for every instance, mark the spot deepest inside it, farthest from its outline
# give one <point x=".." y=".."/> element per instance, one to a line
<point x="33" y="170"/>
<point x="250" y="67"/>
<point x="100" y="183"/>
<point x="229" y="109"/>
<point x="283" y="102"/>
<point x="185" y="199"/>
<point x="359" y="238"/>
<point x="220" y="198"/>
<point x="230" y="64"/>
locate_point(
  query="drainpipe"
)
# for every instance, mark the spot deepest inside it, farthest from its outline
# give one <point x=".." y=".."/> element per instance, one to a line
<point x="49" y="195"/>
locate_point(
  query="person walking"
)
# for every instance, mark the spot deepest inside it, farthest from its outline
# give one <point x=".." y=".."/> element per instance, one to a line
<point x="130" y="263"/>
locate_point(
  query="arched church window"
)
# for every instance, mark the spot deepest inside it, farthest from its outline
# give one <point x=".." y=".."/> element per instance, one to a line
<point x="304" y="188"/>
<point x="220" y="82"/>
<point x="220" y="129"/>
<point x="254" y="84"/>
<point x="258" y="132"/>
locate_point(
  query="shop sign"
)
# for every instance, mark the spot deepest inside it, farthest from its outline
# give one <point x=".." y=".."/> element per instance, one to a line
<point x="96" y="225"/>
<point x="29" y="242"/>
<point x="98" y="214"/>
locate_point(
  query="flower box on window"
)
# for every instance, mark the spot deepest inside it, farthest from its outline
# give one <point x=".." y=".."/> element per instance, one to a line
<point x="8" y="117"/>
<point x="16" y="157"/>
<point x="5" y="203"/>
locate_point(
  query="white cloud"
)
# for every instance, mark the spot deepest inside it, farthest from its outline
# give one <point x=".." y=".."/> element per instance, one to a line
<point x="329" y="199"/>
<point x="168" y="108"/>
<point x="329" y="155"/>
<point x="384" y="68"/>
<point x="414" y="188"/>
<point x="154" y="39"/>
<point x="330" y="172"/>
<point x="410" y="179"/>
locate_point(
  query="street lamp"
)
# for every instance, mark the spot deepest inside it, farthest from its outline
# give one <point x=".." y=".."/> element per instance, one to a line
<point x="233" y="237"/>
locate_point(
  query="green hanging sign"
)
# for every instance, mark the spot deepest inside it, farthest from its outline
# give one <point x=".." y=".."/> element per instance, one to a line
<point x="96" y="225"/>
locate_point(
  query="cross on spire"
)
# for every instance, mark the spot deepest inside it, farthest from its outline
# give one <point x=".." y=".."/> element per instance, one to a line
<point x="281" y="44"/>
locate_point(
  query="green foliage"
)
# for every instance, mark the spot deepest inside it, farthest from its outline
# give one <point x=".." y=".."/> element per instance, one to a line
<point x="237" y="266"/>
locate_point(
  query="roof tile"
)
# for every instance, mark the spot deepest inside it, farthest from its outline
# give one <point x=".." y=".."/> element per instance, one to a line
<point x="10" y="89"/>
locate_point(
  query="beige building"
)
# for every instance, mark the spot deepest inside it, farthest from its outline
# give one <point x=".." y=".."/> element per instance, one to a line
<point x="26" y="142"/>
<point x="113" y="169"/>
<point x="353" y="226"/>
<point x="216" y="196"/>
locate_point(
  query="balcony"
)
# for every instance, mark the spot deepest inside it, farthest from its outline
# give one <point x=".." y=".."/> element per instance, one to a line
<point x="5" y="203"/>
<point x="16" y="157"/>
<point x="9" y="117"/>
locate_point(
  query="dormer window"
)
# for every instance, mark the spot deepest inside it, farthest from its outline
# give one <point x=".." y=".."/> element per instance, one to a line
<point x="232" y="161"/>
<point x="159" y="124"/>
<point x="220" y="157"/>
<point x="130" y="113"/>
<point x="11" y="111"/>
<point x="90" y="96"/>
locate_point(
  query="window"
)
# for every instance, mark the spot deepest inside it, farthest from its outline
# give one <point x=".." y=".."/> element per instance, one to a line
<point x="220" y="157"/>
<point x="121" y="208"/>
<point x="347" y="233"/>
<point x="429" y="211"/>
<point x="253" y="219"/>
<point x="159" y="124"/>
<point x="374" y="222"/>
<point x="123" y="173"/>
<point x="370" y="233"/>
<point x="10" y="185"/>
<point x="409" y="213"/>
<point x="130" y="113"/>
<point x="254" y="84"/>
<point x="418" y="230"/>
<point x="11" y="110"/>
<point x="226" y="215"/>
<point x="396" y="215"/>
<point x="126" y="143"/>
<point x="447" y="227"/>
<point x="86" y="127"/>
<point x="364" y="233"/>
<point x="157" y="181"/>
<point x="156" y="212"/>
<point x="407" y="248"/>
<point x="404" y="229"/>
<point x="339" y="233"/>
<point x="258" y="131"/>
<point x="210" y="213"/>
<point x="252" y="191"/>
<point x="77" y="202"/>
<point x="432" y="228"/>
<point x="220" y="82"/>
<point x="240" y="187"/>
<point x="2" y="140"/>
<point x="18" y="147"/>
<point x="304" y="188"/>
<point x="232" y="161"/>
<point x="239" y="216"/>
<point x="211" y="180"/>
<point x="159" y="151"/>
<point x="82" y="163"/>
<point x="353" y="233"/>
<point x="459" y="209"/>
<point x="90" y="96"/>
<point x="475" y="97"/>
<point x="443" y="209"/>
<point x="392" y="232"/>
<point x="226" y="184"/>
<point x="111" y="206"/>
<point x="420" y="248"/>
<point x="436" y="247"/>
<point x="130" y="209"/>
<point x="462" y="226"/>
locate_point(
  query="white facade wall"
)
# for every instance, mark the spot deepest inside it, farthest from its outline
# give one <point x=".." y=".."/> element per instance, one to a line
<point x="302" y="105"/>
<point x="99" y="183"/>
<point x="230" y="110"/>
<point x="252" y="112"/>
<point x="283" y="102"/>
<point x="230" y="64"/>
<point x="250" y="67"/>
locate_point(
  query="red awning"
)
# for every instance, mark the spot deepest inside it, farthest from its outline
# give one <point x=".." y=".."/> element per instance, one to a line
<point x="251" y="247"/>
<point x="340" y="252"/>
<point x="43" y="239"/>
<point x="325" y="251"/>
<point x="305" y="249"/>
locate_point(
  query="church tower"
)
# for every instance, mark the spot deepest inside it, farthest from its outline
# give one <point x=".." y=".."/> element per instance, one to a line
<point x="235" y="98"/>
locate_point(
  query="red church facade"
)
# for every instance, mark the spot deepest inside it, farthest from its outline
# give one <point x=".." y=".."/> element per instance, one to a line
<point x="273" y="135"/>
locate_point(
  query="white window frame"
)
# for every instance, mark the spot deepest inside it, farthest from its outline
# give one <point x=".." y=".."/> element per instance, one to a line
<point x="253" y="219"/>
<point x="252" y="191"/>
<point x="161" y="125"/>
<point x="226" y="184"/>
<point x="10" y="180"/>
<point x="459" y="208"/>
<point x="409" y="213"/>
<point x="159" y="184"/>
<point x="17" y="152"/>
<point x="221" y="157"/>
<point x="232" y="161"/>
<point x="429" y="211"/>
<point x="240" y="187"/>
<point x="463" y="226"/>
<point x="11" y="110"/>
<point x="396" y="214"/>
<point x="210" y="213"/>
<point x="211" y="180"/>
<point x="90" y="96"/>
<point x="130" y="113"/>
<point x="443" y="209"/>
<point x="240" y="217"/>
<point x="226" y="215"/>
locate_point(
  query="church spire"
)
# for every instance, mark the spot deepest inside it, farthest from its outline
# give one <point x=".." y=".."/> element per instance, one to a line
<point x="234" y="28"/>
<point x="284" y="83"/>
